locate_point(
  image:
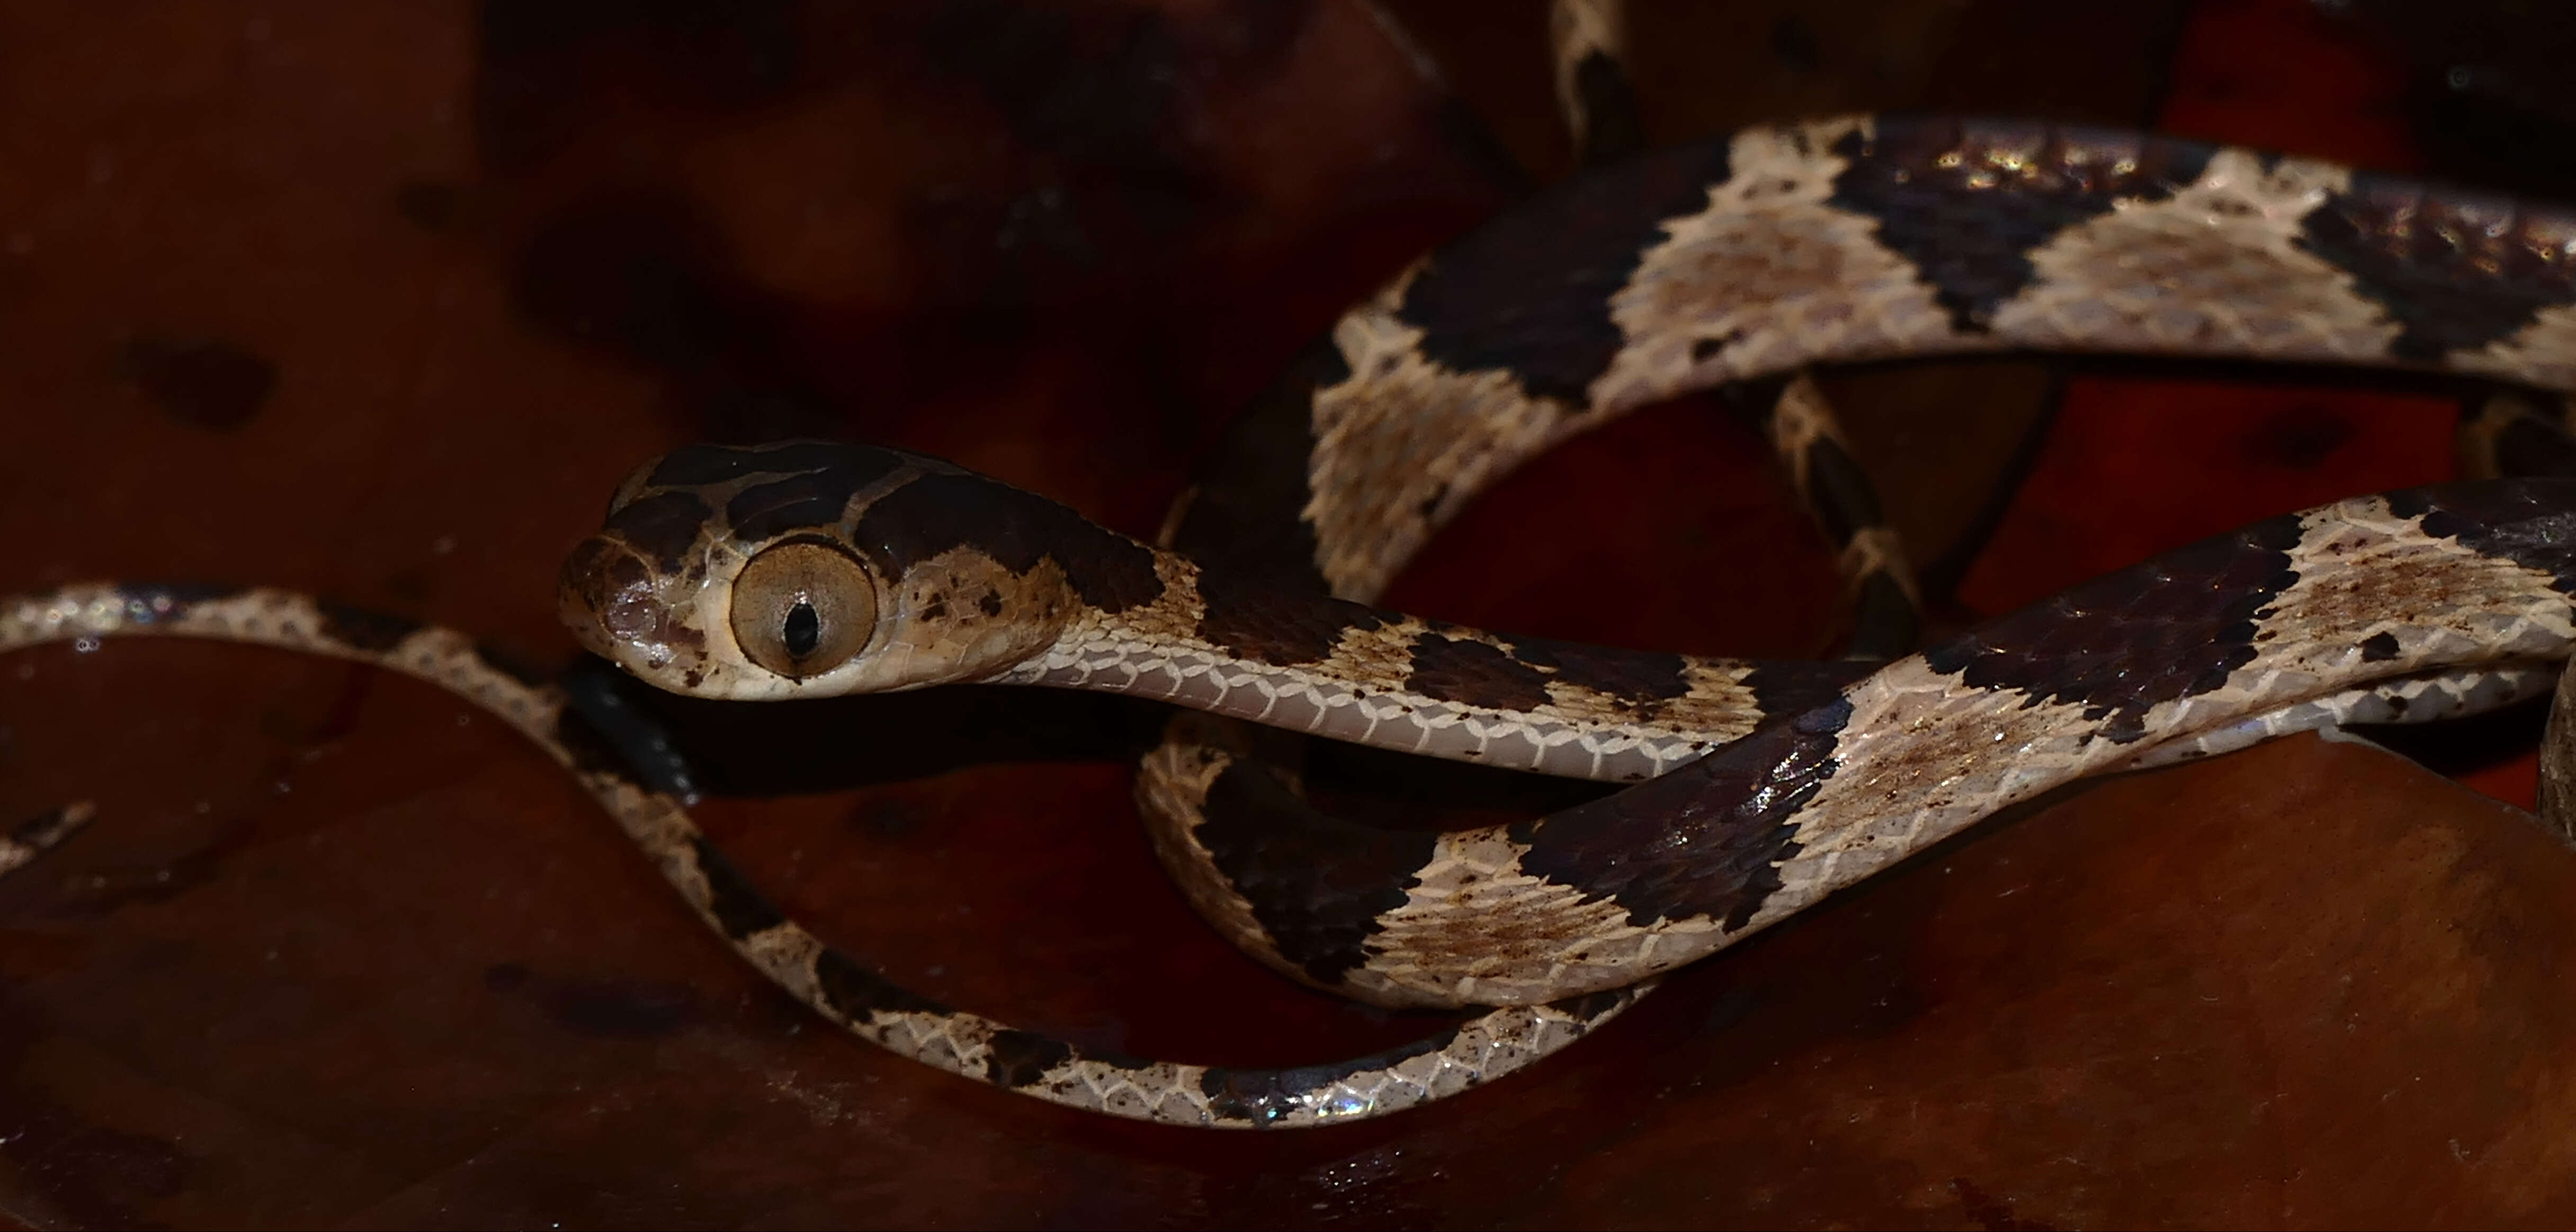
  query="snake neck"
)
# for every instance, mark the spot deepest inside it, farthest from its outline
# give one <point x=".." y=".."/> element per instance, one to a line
<point x="1349" y="672"/>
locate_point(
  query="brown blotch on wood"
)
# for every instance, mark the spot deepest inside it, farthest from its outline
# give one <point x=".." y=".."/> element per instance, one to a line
<point x="436" y="207"/>
<point x="602" y="1008"/>
<point x="2298" y="438"/>
<point x="201" y="381"/>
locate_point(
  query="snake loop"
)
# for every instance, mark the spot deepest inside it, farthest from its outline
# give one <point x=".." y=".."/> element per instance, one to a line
<point x="809" y="568"/>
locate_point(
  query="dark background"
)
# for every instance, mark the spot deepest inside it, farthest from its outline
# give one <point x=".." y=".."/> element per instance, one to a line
<point x="380" y="300"/>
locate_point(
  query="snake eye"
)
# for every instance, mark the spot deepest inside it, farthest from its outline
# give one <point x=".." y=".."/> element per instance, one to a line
<point x="802" y="609"/>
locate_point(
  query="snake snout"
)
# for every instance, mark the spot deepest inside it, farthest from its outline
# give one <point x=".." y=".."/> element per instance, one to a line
<point x="610" y="598"/>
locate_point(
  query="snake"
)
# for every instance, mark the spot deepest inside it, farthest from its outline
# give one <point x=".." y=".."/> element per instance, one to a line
<point x="1755" y="789"/>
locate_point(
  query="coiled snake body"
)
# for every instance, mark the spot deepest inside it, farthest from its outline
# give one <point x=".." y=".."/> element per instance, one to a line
<point x="807" y="568"/>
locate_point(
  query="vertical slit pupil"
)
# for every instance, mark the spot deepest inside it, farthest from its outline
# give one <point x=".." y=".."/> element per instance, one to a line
<point x="803" y="630"/>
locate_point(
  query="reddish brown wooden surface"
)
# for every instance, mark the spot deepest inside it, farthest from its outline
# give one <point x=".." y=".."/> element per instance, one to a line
<point x="381" y="300"/>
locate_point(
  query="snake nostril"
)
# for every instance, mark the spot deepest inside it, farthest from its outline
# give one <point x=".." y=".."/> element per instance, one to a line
<point x="607" y="591"/>
<point x="632" y="618"/>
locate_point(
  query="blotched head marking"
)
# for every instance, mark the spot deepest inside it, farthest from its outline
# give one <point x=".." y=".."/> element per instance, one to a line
<point x="809" y="569"/>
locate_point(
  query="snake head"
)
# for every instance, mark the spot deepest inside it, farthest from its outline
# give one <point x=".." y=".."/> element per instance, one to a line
<point x="815" y="568"/>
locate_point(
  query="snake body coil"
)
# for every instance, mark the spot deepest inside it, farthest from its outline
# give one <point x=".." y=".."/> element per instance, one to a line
<point x="807" y="568"/>
<point x="2418" y="604"/>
